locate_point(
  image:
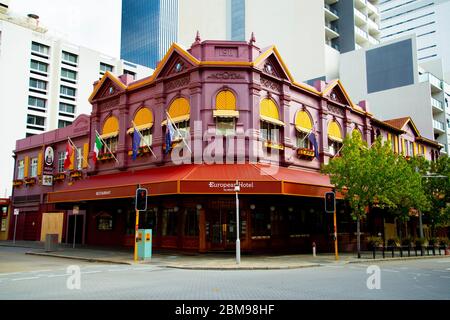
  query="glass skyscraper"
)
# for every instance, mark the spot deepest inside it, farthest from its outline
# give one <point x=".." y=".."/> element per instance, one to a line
<point x="149" y="27"/>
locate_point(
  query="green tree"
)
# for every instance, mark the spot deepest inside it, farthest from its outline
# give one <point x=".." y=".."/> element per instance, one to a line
<point x="373" y="176"/>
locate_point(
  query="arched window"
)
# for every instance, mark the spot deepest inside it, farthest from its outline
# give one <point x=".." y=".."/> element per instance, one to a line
<point x="226" y="113"/>
<point x="304" y="126"/>
<point x="143" y="122"/>
<point x="270" y="121"/>
<point x="179" y="112"/>
<point x="110" y="134"/>
<point x="334" y="138"/>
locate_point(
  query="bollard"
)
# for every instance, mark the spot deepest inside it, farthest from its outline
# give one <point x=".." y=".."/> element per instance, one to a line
<point x="314" y="249"/>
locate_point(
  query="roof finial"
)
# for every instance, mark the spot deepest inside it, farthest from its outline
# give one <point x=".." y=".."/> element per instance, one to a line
<point x="252" y="39"/>
<point x="197" y="37"/>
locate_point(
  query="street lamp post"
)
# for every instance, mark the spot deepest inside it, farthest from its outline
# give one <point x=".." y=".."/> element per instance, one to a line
<point x="237" y="188"/>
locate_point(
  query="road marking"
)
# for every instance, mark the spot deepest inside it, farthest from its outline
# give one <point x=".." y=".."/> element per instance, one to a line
<point x="439" y="270"/>
<point x="9" y="274"/>
<point x="444" y="277"/>
<point x="118" y="270"/>
<point x="40" y="271"/>
<point x="21" y="279"/>
<point x="57" y="275"/>
<point x="91" y="272"/>
<point x="389" y="270"/>
<point x="143" y="268"/>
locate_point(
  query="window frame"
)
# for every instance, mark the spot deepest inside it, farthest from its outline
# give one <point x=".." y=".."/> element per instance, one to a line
<point x="225" y="131"/>
<point x="34" y="167"/>
<point x="21" y="169"/>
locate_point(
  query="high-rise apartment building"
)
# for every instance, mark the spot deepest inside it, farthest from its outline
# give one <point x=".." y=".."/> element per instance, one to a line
<point x="45" y="82"/>
<point x="390" y="78"/>
<point x="427" y="19"/>
<point x="319" y="29"/>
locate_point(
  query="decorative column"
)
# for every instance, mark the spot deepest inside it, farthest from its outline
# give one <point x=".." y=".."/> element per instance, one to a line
<point x="285" y="101"/>
<point x="94" y="126"/>
<point x="323" y="134"/>
<point x="124" y="124"/>
<point x="253" y="124"/>
<point x="202" y="231"/>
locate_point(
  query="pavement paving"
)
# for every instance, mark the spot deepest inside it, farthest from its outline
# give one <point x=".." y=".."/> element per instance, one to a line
<point x="210" y="261"/>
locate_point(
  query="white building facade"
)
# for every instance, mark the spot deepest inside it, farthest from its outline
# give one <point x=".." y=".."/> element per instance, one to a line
<point x="44" y="83"/>
<point x="427" y="19"/>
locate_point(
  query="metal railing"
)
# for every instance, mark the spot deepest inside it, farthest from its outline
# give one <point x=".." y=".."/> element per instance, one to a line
<point x="437" y="104"/>
<point x="438" y="125"/>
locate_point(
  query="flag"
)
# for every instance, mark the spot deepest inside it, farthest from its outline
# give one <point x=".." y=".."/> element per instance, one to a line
<point x="68" y="160"/>
<point x="312" y="139"/>
<point x="170" y="134"/>
<point x="97" y="147"/>
<point x="136" y="143"/>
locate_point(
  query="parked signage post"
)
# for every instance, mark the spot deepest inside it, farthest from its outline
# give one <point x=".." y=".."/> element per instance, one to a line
<point x="75" y="212"/>
<point x="330" y="207"/>
<point x="237" y="188"/>
<point x="16" y="213"/>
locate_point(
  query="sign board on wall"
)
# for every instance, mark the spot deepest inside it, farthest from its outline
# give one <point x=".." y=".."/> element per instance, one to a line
<point x="49" y="160"/>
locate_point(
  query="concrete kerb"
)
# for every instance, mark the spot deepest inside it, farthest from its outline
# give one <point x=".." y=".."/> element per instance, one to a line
<point x="396" y="259"/>
<point x="236" y="268"/>
<point x="78" y="258"/>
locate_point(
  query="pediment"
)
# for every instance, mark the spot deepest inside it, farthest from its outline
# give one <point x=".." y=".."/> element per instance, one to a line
<point x="175" y="62"/>
<point x="271" y="63"/>
<point x="108" y="86"/>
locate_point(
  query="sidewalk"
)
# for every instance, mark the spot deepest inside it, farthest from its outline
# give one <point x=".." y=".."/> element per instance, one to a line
<point x="210" y="261"/>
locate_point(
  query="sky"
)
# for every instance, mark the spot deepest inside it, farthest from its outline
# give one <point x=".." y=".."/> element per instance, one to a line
<point x="91" y="23"/>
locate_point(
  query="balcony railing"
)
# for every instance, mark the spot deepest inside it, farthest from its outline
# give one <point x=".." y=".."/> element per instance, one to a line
<point x="332" y="10"/>
<point x="360" y="15"/>
<point x="371" y="7"/>
<point x="438" y="125"/>
<point x="372" y="40"/>
<point x="437" y="104"/>
<point x="361" y="32"/>
<point x="432" y="79"/>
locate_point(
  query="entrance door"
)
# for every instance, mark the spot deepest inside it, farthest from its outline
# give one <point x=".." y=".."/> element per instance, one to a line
<point x="79" y="229"/>
<point x="221" y="216"/>
<point x="31" y="227"/>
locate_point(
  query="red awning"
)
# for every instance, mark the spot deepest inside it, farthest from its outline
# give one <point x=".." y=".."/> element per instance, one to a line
<point x="198" y="179"/>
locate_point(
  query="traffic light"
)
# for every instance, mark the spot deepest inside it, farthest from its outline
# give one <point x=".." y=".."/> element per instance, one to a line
<point x="330" y="202"/>
<point x="141" y="199"/>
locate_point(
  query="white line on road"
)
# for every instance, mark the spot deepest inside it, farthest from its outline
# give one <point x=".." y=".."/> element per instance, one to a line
<point x="439" y="270"/>
<point x="21" y="279"/>
<point x="57" y="275"/>
<point x="389" y="270"/>
<point x="38" y="271"/>
<point x="9" y="274"/>
<point x="90" y="272"/>
<point x="444" y="277"/>
<point x="118" y="270"/>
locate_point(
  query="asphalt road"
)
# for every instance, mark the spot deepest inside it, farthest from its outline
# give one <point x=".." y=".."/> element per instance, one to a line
<point x="42" y="278"/>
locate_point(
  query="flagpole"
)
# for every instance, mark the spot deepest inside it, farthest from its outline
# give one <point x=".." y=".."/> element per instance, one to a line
<point x="142" y="137"/>
<point x="178" y="131"/>
<point x="104" y="143"/>
<point x="75" y="147"/>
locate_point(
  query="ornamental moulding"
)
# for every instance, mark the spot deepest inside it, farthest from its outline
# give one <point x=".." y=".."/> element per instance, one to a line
<point x="270" y="85"/>
<point x="226" y="76"/>
<point x="177" y="83"/>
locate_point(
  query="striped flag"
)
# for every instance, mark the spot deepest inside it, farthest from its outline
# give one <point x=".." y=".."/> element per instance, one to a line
<point x="97" y="147"/>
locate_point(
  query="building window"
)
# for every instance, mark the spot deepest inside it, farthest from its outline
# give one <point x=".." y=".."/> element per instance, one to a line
<point x="36" y="102"/>
<point x="261" y="222"/>
<point x="191" y="223"/>
<point x="20" y="169"/>
<point x="63" y="123"/>
<point x="67" y="108"/>
<point x="334" y="147"/>
<point x="183" y="130"/>
<point x="105" y="67"/>
<point x="67" y="91"/>
<point x="68" y="74"/>
<point x="147" y="138"/>
<point x="270" y="132"/>
<point x="169" y="222"/>
<point x="110" y="145"/>
<point x="38" y="84"/>
<point x="410" y="148"/>
<point x="79" y="159"/>
<point x="303" y="140"/>
<point x="34" y="166"/>
<point x="40" y="48"/>
<point x="35" y="120"/>
<point x="131" y="73"/>
<point x="105" y="222"/>
<point x="61" y="158"/>
<point x="69" y="58"/>
<point x="39" y="66"/>
<point x="225" y="126"/>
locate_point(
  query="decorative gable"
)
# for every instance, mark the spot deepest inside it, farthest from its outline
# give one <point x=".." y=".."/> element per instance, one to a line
<point x="336" y="92"/>
<point x="270" y="63"/>
<point x="108" y="86"/>
<point x="173" y="64"/>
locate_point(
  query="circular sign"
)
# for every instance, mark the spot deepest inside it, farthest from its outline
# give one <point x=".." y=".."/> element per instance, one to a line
<point x="49" y="156"/>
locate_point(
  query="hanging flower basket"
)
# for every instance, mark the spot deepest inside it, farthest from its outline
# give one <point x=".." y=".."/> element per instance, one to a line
<point x="59" y="177"/>
<point x="76" y="174"/>
<point x="30" y="181"/>
<point x="305" y="153"/>
<point x="105" y="156"/>
<point x="18" y="183"/>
